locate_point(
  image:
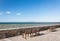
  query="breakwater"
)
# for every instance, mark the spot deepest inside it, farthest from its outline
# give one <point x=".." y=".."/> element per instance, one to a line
<point x="15" y="32"/>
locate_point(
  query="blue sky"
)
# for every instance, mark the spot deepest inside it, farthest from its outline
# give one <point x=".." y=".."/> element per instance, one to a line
<point x="29" y="10"/>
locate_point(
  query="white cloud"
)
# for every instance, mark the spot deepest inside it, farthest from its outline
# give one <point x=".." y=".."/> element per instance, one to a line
<point x="18" y="14"/>
<point x="1" y="13"/>
<point x="8" y="12"/>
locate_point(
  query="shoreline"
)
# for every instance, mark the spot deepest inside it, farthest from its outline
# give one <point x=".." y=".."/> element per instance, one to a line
<point x="28" y="27"/>
<point x="47" y="36"/>
<point x="18" y="31"/>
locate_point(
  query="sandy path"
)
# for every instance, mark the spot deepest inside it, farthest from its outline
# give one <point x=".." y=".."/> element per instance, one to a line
<point x="47" y="36"/>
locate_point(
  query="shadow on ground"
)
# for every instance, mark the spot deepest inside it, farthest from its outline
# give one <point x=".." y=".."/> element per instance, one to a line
<point x="54" y="30"/>
<point x="37" y="35"/>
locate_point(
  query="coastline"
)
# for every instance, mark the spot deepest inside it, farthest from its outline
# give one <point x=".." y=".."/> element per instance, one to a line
<point x="18" y="31"/>
<point x="47" y="36"/>
<point x="29" y="27"/>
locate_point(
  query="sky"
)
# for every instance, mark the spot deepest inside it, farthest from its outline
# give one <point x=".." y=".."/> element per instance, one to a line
<point x="29" y="10"/>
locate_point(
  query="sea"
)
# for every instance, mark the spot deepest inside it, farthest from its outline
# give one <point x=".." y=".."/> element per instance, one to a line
<point x="7" y="25"/>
